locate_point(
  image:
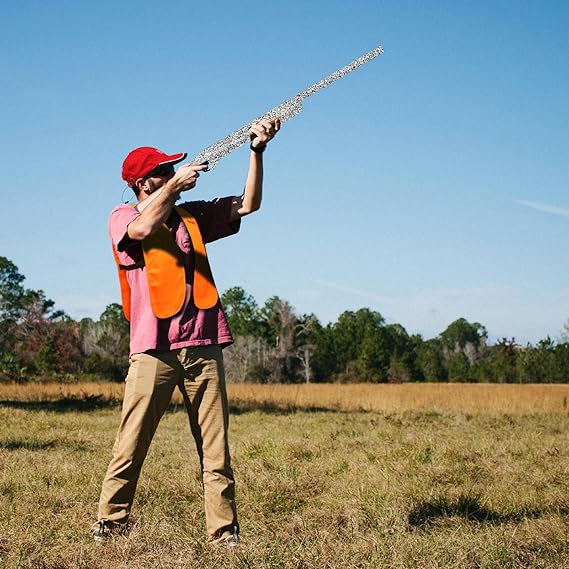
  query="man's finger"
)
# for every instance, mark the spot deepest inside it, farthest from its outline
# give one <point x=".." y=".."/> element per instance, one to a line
<point x="195" y="167"/>
<point x="256" y="131"/>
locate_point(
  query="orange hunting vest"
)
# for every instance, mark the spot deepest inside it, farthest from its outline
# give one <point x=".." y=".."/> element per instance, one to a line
<point x="166" y="274"/>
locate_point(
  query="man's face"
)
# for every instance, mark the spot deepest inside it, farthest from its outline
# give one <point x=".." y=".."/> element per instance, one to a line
<point x="157" y="178"/>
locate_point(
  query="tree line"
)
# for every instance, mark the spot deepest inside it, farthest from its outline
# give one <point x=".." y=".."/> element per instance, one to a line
<point x="273" y="344"/>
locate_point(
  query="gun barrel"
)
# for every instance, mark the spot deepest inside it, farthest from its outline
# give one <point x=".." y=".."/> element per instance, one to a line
<point x="341" y="72"/>
<point x="212" y="154"/>
<point x="284" y="111"/>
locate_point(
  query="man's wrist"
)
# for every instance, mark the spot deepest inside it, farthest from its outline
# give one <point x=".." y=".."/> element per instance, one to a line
<point x="173" y="187"/>
<point x="259" y="149"/>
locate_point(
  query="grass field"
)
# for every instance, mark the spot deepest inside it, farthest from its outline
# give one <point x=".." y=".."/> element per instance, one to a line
<point x="371" y="482"/>
<point x="442" y="397"/>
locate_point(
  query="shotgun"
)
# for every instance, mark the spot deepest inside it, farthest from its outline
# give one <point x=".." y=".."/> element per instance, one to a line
<point x="285" y="111"/>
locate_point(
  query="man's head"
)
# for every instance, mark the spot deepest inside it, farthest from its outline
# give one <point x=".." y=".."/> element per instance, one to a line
<point x="145" y="167"/>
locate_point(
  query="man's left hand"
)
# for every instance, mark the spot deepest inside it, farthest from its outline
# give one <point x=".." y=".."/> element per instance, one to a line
<point x="263" y="131"/>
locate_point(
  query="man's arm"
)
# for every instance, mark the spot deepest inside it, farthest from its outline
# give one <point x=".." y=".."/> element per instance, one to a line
<point x="157" y="209"/>
<point x="261" y="133"/>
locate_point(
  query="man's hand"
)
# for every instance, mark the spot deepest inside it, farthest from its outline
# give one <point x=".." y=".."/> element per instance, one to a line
<point x="186" y="177"/>
<point x="263" y="131"/>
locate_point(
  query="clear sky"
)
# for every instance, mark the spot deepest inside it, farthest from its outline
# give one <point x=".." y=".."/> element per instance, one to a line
<point x="430" y="184"/>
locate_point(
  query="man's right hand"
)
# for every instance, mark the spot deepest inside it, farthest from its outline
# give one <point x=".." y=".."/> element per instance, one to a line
<point x="186" y="177"/>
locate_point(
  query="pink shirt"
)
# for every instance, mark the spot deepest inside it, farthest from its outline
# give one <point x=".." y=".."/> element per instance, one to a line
<point x="191" y="326"/>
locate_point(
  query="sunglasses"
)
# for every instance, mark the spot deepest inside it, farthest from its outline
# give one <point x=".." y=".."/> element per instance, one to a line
<point x="161" y="171"/>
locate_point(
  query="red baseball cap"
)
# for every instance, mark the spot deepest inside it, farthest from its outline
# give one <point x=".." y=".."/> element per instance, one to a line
<point x="141" y="161"/>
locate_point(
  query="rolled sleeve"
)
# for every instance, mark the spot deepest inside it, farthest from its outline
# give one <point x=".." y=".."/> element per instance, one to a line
<point x="213" y="218"/>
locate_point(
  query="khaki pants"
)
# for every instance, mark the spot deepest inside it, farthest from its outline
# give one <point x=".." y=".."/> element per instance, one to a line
<point x="151" y="379"/>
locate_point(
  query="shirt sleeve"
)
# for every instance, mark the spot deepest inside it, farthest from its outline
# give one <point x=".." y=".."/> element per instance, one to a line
<point x="213" y="218"/>
<point x="129" y="251"/>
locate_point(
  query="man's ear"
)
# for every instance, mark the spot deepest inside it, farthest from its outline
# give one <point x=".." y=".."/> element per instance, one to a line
<point x="139" y="185"/>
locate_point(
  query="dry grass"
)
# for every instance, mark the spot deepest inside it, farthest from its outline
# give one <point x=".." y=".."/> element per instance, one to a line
<point x="421" y="489"/>
<point x="444" y="397"/>
<point x="316" y="490"/>
<point x="440" y="397"/>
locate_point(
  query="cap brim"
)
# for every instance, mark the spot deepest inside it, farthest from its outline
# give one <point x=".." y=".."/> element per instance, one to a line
<point x="174" y="158"/>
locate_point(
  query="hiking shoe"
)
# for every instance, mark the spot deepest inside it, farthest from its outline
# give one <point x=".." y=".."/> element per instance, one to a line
<point x="232" y="542"/>
<point x="105" y="529"/>
<point x="228" y="540"/>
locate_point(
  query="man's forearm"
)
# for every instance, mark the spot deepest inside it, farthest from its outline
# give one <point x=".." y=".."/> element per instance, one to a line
<point x="253" y="192"/>
<point x="154" y="213"/>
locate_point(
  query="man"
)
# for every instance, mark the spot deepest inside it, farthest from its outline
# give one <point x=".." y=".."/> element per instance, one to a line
<point x="177" y="326"/>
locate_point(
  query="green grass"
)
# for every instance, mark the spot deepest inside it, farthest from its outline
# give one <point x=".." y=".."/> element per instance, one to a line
<point x="315" y="490"/>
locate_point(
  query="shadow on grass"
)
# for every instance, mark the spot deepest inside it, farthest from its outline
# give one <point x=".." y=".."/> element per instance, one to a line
<point x="22" y="444"/>
<point x="65" y="404"/>
<point x="98" y="402"/>
<point x="33" y="444"/>
<point x="243" y="407"/>
<point x="426" y="513"/>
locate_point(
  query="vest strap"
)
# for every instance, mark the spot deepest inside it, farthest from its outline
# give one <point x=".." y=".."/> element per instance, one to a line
<point x="138" y="265"/>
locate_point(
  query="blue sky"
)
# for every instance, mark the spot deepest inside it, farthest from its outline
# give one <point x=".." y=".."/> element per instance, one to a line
<point x="429" y="185"/>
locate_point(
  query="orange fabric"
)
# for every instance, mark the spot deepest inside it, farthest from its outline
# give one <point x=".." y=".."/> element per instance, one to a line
<point x="166" y="275"/>
<point x="125" y="287"/>
<point x="205" y="293"/>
